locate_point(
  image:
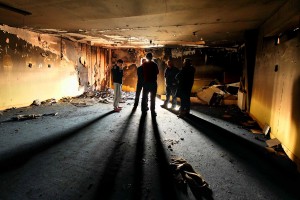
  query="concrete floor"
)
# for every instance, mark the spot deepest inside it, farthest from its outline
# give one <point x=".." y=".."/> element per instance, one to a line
<point x="93" y="153"/>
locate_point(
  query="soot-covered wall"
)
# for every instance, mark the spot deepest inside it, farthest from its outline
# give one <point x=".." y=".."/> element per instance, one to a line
<point x="39" y="66"/>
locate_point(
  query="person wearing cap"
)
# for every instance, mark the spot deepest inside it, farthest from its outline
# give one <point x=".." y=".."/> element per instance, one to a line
<point x="117" y="76"/>
<point x="150" y="72"/>
<point x="185" y="80"/>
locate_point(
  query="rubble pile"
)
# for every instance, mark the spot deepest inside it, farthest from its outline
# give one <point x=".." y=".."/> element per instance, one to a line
<point x="219" y="94"/>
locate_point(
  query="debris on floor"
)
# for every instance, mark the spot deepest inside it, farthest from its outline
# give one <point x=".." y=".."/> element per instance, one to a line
<point x="265" y="131"/>
<point x="8" y="109"/>
<point x="219" y="94"/>
<point x="31" y="116"/>
<point x="49" y="101"/>
<point x="36" y="103"/>
<point x="26" y="117"/>
<point x="80" y="104"/>
<point x="66" y="99"/>
<point x="274" y="148"/>
<point x="273" y="142"/>
<point x="103" y="100"/>
<point x="184" y="174"/>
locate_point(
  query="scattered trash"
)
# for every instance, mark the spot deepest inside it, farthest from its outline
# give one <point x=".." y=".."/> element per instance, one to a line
<point x="103" y="100"/>
<point x="49" y="101"/>
<point x="31" y="116"/>
<point x="206" y="94"/>
<point x="26" y="117"/>
<point x="184" y="174"/>
<point x="219" y="94"/>
<point x="80" y="104"/>
<point x="50" y="114"/>
<point x="36" y="103"/>
<point x="170" y="142"/>
<point x="265" y="131"/>
<point x="8" y="109"/>
<point x="273" y="142"/>
<point x="66" y="99"/>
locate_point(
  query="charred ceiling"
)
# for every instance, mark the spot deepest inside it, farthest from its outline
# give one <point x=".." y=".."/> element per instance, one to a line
<point x="141" y="24"/>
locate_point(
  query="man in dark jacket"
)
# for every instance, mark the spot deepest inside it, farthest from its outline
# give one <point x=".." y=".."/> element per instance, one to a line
<point x="117" y="75"/>
<point x="139" y="85"/>
<point x="171" y="84"/>
<point x="150" y="71"/>
<point x="185" y="83"/>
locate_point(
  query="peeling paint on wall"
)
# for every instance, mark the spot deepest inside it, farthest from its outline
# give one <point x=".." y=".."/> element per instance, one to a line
<point x="25" y="74"/>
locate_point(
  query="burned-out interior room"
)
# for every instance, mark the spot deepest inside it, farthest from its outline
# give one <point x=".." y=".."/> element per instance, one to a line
<point x="61" y="136"/>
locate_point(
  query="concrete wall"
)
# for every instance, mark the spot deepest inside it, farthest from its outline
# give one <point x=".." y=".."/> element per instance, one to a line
<point x="37" y="66"/>
<point x="276" y="84"/>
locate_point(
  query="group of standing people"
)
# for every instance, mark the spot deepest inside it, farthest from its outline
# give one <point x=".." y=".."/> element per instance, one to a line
<point x="179" y="83"/>
<point x="147" y="80"/>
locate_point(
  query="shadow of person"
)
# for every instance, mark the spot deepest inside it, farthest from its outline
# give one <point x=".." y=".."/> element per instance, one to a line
<point x="16" y="157"/>
<point x="108" y="180"/>
<point x="139" y="156"/>
<point x="166" y="178"/>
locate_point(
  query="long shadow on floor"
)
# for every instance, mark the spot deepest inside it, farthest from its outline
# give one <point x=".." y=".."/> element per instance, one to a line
<point x="20" y="154"/>
<point x="165" y="175"/>
<point x="281" y="172"/>
<point x="138" y="163"/>
<point x="107" y="182"/>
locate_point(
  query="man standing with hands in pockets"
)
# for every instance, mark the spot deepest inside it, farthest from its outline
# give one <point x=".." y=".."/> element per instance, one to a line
<point x="117" y="75"/>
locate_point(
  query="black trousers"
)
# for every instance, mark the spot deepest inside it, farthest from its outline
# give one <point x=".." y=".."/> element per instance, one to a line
<point x="184" y="95"/>
<point x="139" y="87"/>
<point x="152" y="89"/>
<point x="171" y="91"/>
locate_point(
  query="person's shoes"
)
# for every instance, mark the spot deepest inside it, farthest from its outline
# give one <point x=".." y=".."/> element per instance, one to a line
<point x="182" y="114"/>
<point x="117" y="109"/>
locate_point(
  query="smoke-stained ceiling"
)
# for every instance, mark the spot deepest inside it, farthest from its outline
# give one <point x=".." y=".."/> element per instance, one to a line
<point x="141" y="23"/>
